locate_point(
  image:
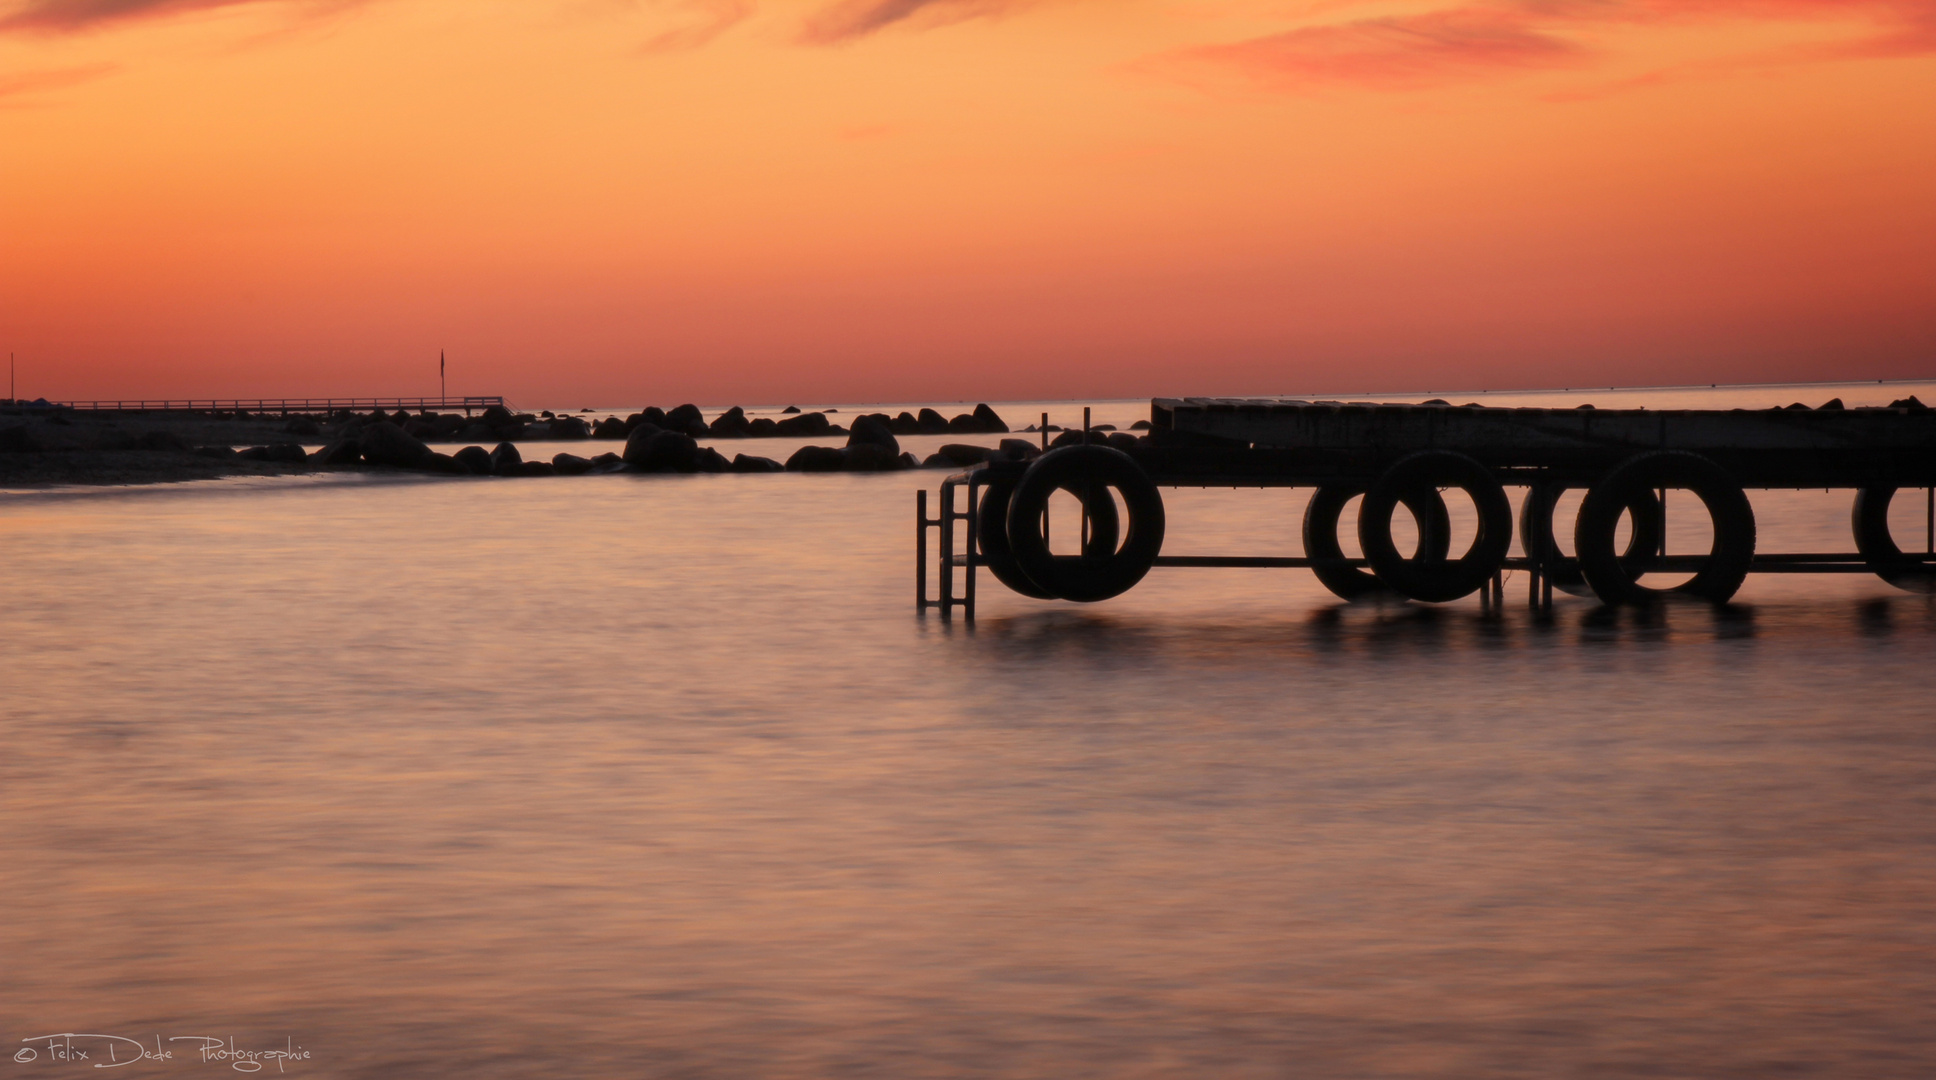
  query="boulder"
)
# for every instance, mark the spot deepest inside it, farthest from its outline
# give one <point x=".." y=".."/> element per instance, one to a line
<point x="343" y="451"/>
<point x="683" y="418"/>
<point x="966" y="455"/>
<point x="990" y="421"/>
<point x="1911" y="403"/>
<point x="570" y="427"/>
<point x="731" y="424"/>
<point x="302" y="425"/>
<point x="874" y="430"/>
<point x="932" y="423"/>
<point x="907" y="461"/>
<point x="385" y="443"/>
<point x="497" y="416"/>
<point x="538" y="430"/>
<point x="1019" y="450"/>
<point x="763" y="427"/>
<point x="661" y="451"/>
<point x="1120" y="440"/>
<point x="287" y="453"/>
<point x="812" y="423"/>
<point x="817" y="458"/>
<point x="609" y="428"/>
<point x="1102" y="427"/>
<point x="1140" y="425"/>
<point x="536" y="468"/>
<point x="870" y="457"/>
<point x="939" y="461"/>
<point x="445" y="463"/>
<point x="219" y="452"/>
<point x="964" y="424"/>
<point x="399" y="419"/>
<point x="905" y="424"/>
<point x="474" y="459"/>
<point x="506" y="460"/>
<point x="790" y="409"/>
<point x="1831" y="403"/>
<point x="420" y="429"/>
<point x="750" y="464"/>
<point x="636" y="440"/>
<point x="18" y="440"/>
<point x="570" y="464"/>
<point x="710" y="460"/>
<point x="609" y="463"/>
<point x="1072" y="437"/>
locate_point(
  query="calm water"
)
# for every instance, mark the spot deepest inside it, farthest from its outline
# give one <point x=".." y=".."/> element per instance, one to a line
<point x="662" y="776"/>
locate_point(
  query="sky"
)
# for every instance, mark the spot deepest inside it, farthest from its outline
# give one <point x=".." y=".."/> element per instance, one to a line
<point x="622" y="202"/>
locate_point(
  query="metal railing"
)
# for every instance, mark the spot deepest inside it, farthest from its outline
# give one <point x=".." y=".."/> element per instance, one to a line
<point x="280" y="406"/>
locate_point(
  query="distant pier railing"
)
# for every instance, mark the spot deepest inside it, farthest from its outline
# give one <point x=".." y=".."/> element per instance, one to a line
<point x="284" y="406"/>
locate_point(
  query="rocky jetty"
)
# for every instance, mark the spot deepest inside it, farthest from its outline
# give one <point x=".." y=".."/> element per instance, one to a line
<point x="62" y="446"/>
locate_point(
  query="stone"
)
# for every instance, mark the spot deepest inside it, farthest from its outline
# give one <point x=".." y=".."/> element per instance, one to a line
<point x="931" y="422"/>
<point x="1140" y="425"/>
<point x="710" y="460"/>
<point x="731" y="424"/>
<point x="419" y="429"/>
<point x="790" y="409"/>
<point x="1072" y="437"/>
<point x="1831" y="403"/>
<point x="1102" y="427"/>
<point x="609" y="463"/>
<point x="497" y="415"/>
<point x="18" y="440"/>
<point x="907" y="461"/>
<point x="445" y="463"/>
<point x="939" y="461"/>
<point x="812" y="423"/>
<point x="609" y="428"/>
<point x="817" y="458"/>
<point x="873" y="429"/>
<point x="302" y="425"/>
<point x="1019" y="450"/>
<point x="747" y="463"/>
<point x="287" y="453"/>
<point x="570" y="464"/>
<point x="1911" y="403"/>
<point x="905" y="424"/>
<point x="763" y="427"/>
<point x="991" y="422"/>
<point x="570" y="427"/>
<point x="661" y="451"/>
<point x="385" y="443"/>
<point x="343" y="451"/>
<point x="474" y="459"/>
<point x="964" y="424"/>
<point x="1120" y="440"/>
<point x="536" y="468"/>
<point x="506" y="460"/>
<point x="683" y="418"/>
<point x="966" y="455"/>
<point x="220" y="452"/>
<point x="870" y="457"/>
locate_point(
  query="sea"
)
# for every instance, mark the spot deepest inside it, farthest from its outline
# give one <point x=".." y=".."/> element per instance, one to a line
<point x="665" y="776"/>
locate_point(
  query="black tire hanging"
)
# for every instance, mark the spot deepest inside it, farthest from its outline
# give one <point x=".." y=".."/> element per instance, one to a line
<point x="1536" y="537"/>
<point x="1100" y="572"/>
<point x="1327" y="557"/>
<point x="991" y="532"/>
<point x="1870" y="519"/>
<point x="1443" y="579"/>
<point x="1727" y="505"/>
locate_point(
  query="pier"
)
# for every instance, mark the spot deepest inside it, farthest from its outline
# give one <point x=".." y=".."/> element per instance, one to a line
<point x="1628" y="461"/>
<point x="277" y="406"/>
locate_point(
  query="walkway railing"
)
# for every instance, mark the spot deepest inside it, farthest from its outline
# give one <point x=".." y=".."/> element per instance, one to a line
<point x="282" y="406"/>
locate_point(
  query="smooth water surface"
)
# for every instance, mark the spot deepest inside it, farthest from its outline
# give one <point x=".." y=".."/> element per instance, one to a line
<point x="662" y="776"/>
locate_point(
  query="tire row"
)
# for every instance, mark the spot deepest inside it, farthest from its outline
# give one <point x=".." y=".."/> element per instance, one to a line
<point x="1123" y="524"/>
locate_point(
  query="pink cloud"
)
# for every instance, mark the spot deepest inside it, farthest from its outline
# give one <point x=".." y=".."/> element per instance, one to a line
<point x="31" y="82"/>
<point x="851" y="19"/>
<point x="1400" y="52"/>
<point x="1486" y="40"/>
<point x="714" y="17"/>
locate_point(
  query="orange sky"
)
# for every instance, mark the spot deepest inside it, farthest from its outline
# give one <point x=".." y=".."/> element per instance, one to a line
<point x="623" y="201"/>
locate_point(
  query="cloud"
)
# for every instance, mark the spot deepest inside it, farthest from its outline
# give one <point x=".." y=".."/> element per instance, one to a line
<point x="715" y="17"/>
<point x="71" y="16"/>
<point x="1409" y="52"/>
<point x="852" y="19"/>
<point x="12" y="86"/>
<point x="1399" y="52"/>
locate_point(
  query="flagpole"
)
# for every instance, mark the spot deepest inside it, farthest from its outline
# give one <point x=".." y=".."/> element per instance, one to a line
<point x="443" y="390"/>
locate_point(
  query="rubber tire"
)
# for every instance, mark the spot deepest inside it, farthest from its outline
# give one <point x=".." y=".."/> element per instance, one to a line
<point x="1095" y="574"/>
<point x="1870" y="520"/>
<point x="1436" y="580"/>
<point x="1564" y="571"/>
<point x="1727" y="505"/>
<point x="1327" y="556"/>
<point x="991" y="534"/>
